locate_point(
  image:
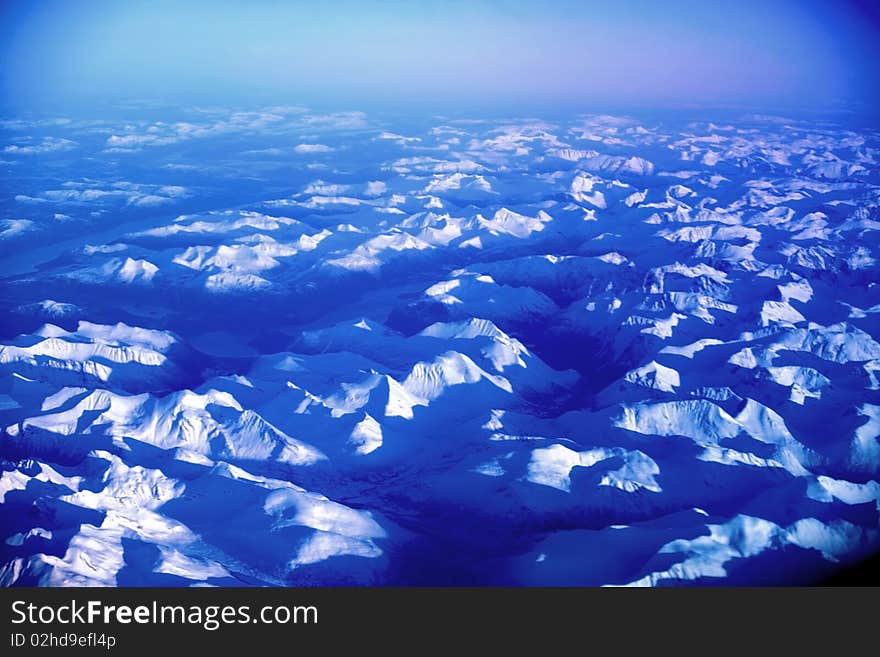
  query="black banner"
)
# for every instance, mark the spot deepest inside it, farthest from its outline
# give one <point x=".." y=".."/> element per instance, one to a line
<point x="134" y="621"/>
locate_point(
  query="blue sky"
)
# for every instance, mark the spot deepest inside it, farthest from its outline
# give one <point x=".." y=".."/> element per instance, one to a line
<point x="585" y="55"/>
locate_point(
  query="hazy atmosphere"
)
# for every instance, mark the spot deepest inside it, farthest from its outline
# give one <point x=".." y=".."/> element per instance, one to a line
<point x="504" y="55"/>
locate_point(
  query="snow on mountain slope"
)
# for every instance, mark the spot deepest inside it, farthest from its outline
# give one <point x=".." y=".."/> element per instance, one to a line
<point x="510" y="223"/>
<point x="502" y="351"/>
<point x="469" y="294"/>
<point x="49" y="308"/>
<point x="380" y="394"/>
<point x="551" y="466"/>
<point x="368" y="256"/>
<point x="288" y="531"/>
<point x="654" y="375"/>
<point x="746" y="536"/>
<point x="331" y="349"/>
<point x="429" y="380"/>
<point x="127" y="356"/>
<point x="224" y="222"/>
<point x="213" y="424"/>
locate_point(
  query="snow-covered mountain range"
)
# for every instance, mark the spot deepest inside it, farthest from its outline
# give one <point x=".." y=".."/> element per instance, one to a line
<point x="287" y="348"/>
